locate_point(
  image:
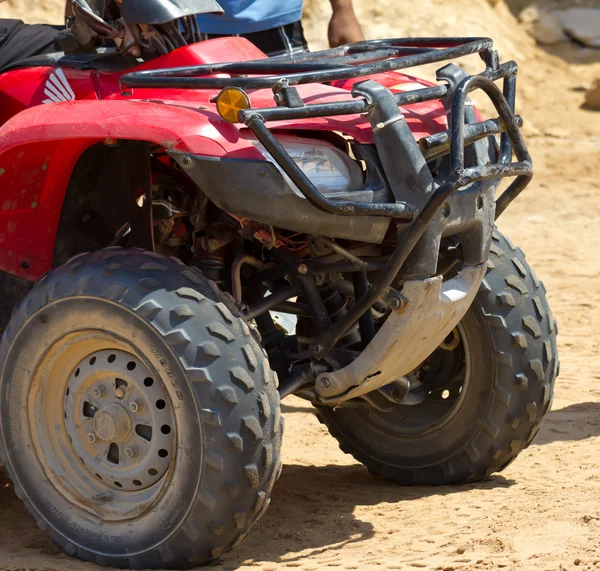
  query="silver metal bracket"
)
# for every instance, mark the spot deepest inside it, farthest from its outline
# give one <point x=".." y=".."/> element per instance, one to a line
<point x="409" y="335"/>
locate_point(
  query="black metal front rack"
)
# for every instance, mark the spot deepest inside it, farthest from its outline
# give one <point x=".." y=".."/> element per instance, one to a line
<point x="352" y="61"/>
<point x="282" y="74"/>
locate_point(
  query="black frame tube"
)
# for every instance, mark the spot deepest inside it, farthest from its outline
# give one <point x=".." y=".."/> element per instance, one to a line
<point x="293" y="308"/>
<point x="314" y="301"/>
<point x="350" y="107"/>
<point x="366" y="324"/>
<point x="439" y="144"/>
<point x="521" y="169"/>
<point x="433" y="50"/>
<point x="267" y="303"/>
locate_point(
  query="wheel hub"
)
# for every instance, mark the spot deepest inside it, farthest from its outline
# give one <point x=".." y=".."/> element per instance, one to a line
<point x="112" y="423"/>
<point x="442" y="381"/>
<point x="119" y="420"/>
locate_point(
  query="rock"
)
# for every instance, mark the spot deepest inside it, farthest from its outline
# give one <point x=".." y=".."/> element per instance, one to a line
<point x="577" y="561"/>
<point x="547" y="29"/>
<point x="592" y="96"/>
<point x="460" y="550"/>
<point x="529" y="15"/>
<point x="582" y="24"/>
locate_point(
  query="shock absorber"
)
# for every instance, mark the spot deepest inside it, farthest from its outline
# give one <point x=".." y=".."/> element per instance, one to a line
<point x="213" y="267"/>
<point x="337" y="305"/>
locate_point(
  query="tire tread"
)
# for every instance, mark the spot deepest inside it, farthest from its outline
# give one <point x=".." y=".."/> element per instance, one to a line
<point x="523" y="333"/>
<point x="167" y="295"/>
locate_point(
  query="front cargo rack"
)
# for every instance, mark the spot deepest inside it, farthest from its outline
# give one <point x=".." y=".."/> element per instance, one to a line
<point x="283" y="73"/>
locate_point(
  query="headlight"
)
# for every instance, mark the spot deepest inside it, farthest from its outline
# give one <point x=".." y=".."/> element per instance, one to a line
<point x="332" y="171"/>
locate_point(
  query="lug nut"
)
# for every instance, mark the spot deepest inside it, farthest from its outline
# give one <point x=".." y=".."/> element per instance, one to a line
<point x="135" y="406"/>
<point x="131" y="452"/>
<point x="325" y="382"/>
<point x="99" y="391"/>
<point x="120" y="393"/>
<point x="91" y="438"/>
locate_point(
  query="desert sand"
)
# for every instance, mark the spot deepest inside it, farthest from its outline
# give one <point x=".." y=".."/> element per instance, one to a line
<point x="543" y="511"/>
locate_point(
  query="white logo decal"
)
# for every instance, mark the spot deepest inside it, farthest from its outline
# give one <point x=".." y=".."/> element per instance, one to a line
<point x="57" y="88"/>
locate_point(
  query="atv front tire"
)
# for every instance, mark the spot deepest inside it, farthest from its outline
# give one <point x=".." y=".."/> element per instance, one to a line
<point x="465" y="431"/>
<point x="140" y="421"/>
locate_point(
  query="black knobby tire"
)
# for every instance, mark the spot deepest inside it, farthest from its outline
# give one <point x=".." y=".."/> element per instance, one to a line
<point x="514" y="364"/>
<point x="223" y="395"/>
<point x="12" y="289"/>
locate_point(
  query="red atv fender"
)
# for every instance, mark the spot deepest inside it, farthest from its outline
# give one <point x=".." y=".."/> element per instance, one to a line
<point x="40" y="147"/>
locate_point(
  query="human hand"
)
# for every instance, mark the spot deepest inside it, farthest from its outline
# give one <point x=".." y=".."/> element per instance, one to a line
<point x="344" y="27"/>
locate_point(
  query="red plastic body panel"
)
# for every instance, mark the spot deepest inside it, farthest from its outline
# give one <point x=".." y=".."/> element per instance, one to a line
<point x="33" y="180"/>
<point x="24" y="88"/>
<point x="40" y="142"/>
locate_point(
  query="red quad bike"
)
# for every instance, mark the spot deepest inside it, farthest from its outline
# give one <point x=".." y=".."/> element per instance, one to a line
<point x="196" y="239"/>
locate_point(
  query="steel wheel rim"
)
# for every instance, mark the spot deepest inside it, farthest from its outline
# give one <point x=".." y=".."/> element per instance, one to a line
<point x="62" y="425"/>
<point x="396" y="422"/>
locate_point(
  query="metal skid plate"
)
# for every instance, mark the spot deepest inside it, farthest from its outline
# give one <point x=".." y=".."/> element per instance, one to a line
<point x="408" y="336"/>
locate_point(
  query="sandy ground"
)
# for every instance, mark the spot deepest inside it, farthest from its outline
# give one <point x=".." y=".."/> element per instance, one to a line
<point x="543" y="512"/>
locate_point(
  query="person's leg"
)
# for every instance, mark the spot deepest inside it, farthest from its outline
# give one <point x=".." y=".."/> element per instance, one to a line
<point x="284" y="40"/>
<point x="19" y="41"/>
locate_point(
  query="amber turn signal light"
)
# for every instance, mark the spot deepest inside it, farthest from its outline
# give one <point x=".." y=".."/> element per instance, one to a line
<point x="230" y="102"/>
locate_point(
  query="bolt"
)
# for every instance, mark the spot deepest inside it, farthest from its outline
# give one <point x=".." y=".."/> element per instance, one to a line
<point x="325" y="382"/>
<point x="131" y="452"/>
<point x="318" y="348"/>
<point x="302" y="269"/>
<point x="395" y="303"/>
<point x="187" y="162"/>
<point x="120" y="393"/>
<point x="135" y="406"/>
<point x="99" y="391"/>
<point x="91" y="438"/>
<point x="263" y="172"/>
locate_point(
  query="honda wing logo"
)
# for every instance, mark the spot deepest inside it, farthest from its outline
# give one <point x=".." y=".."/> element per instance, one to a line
<point x="57" y="88"/>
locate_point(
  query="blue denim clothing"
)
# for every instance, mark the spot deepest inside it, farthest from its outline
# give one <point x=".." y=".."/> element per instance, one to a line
<point x="247" y="16"/>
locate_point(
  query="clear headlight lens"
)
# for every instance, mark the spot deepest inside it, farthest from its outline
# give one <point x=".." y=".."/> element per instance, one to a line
<point x="332" y="171"/>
